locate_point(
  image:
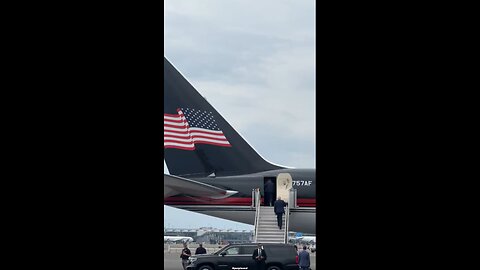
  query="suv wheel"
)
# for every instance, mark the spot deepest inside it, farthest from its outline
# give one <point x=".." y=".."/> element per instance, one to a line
<point x="205" y="267"/>
<point x="273" y="267"/>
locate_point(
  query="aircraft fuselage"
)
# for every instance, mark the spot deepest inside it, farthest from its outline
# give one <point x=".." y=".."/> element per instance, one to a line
<point x="238" y="207"/>
<point x="303" y="180"/>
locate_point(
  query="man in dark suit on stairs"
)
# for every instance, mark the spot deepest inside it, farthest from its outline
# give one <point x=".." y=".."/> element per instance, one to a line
<point x="279" y="208"/>
<point x="269" y="189"/>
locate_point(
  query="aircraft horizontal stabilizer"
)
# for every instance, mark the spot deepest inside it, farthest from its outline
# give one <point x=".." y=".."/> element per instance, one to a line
<point x="174" y="185"/>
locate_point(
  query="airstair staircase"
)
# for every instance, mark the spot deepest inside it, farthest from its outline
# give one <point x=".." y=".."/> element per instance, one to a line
<point x="268" y="231"/>
<point x="266" y="227"/>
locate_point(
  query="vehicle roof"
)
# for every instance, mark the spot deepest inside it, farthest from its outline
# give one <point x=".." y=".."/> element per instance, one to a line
<point x="263" y="244"/>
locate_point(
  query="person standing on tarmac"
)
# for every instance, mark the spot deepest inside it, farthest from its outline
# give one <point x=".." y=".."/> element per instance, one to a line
<point x="279" y="208"/>
<point x="259" y="256"/>
<point x="200" y="250"/>
<point x="269" y="189"/>
<point x="185" y="255"/>
<point x="304" y="259"/>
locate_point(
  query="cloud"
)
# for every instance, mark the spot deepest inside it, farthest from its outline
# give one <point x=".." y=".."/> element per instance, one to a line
<point x="173" y="217"/>
<point x="254" y="62"/>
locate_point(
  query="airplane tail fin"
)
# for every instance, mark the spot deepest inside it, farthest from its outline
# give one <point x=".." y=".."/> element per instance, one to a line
<point x="198" y="141"/>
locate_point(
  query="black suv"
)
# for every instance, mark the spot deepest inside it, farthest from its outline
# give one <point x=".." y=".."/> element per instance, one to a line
<point x="239" y="257"/>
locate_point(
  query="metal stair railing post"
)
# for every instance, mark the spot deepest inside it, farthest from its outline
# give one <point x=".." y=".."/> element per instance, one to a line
<point x="257" y="214"/>
<point x="295" y="198"/>
<point x="291" y="204"/>
<point x="287" y="214"/>
<point x="253" y="198"/>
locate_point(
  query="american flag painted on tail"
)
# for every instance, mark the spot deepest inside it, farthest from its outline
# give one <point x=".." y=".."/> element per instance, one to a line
<point x="189" y="127"/>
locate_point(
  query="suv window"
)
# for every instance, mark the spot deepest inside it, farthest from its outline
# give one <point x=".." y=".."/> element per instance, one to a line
<point x="233" y="251"/>
<point x="247" y="250"/>
<point x="282" y="251"/>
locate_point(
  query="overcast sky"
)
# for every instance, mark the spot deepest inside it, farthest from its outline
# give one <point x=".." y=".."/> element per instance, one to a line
<point x="255" y="63"/>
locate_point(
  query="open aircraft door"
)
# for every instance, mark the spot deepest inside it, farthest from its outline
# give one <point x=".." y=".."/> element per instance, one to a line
<point x="284" y="184"/>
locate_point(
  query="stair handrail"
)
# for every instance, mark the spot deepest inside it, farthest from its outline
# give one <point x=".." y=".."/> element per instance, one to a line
<point x="257" y="210"/>
<point x="287" y="215"/>
<point x="295" y="205"/>
<point x="253" y="198"/>
<point x="293" y="200"/>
